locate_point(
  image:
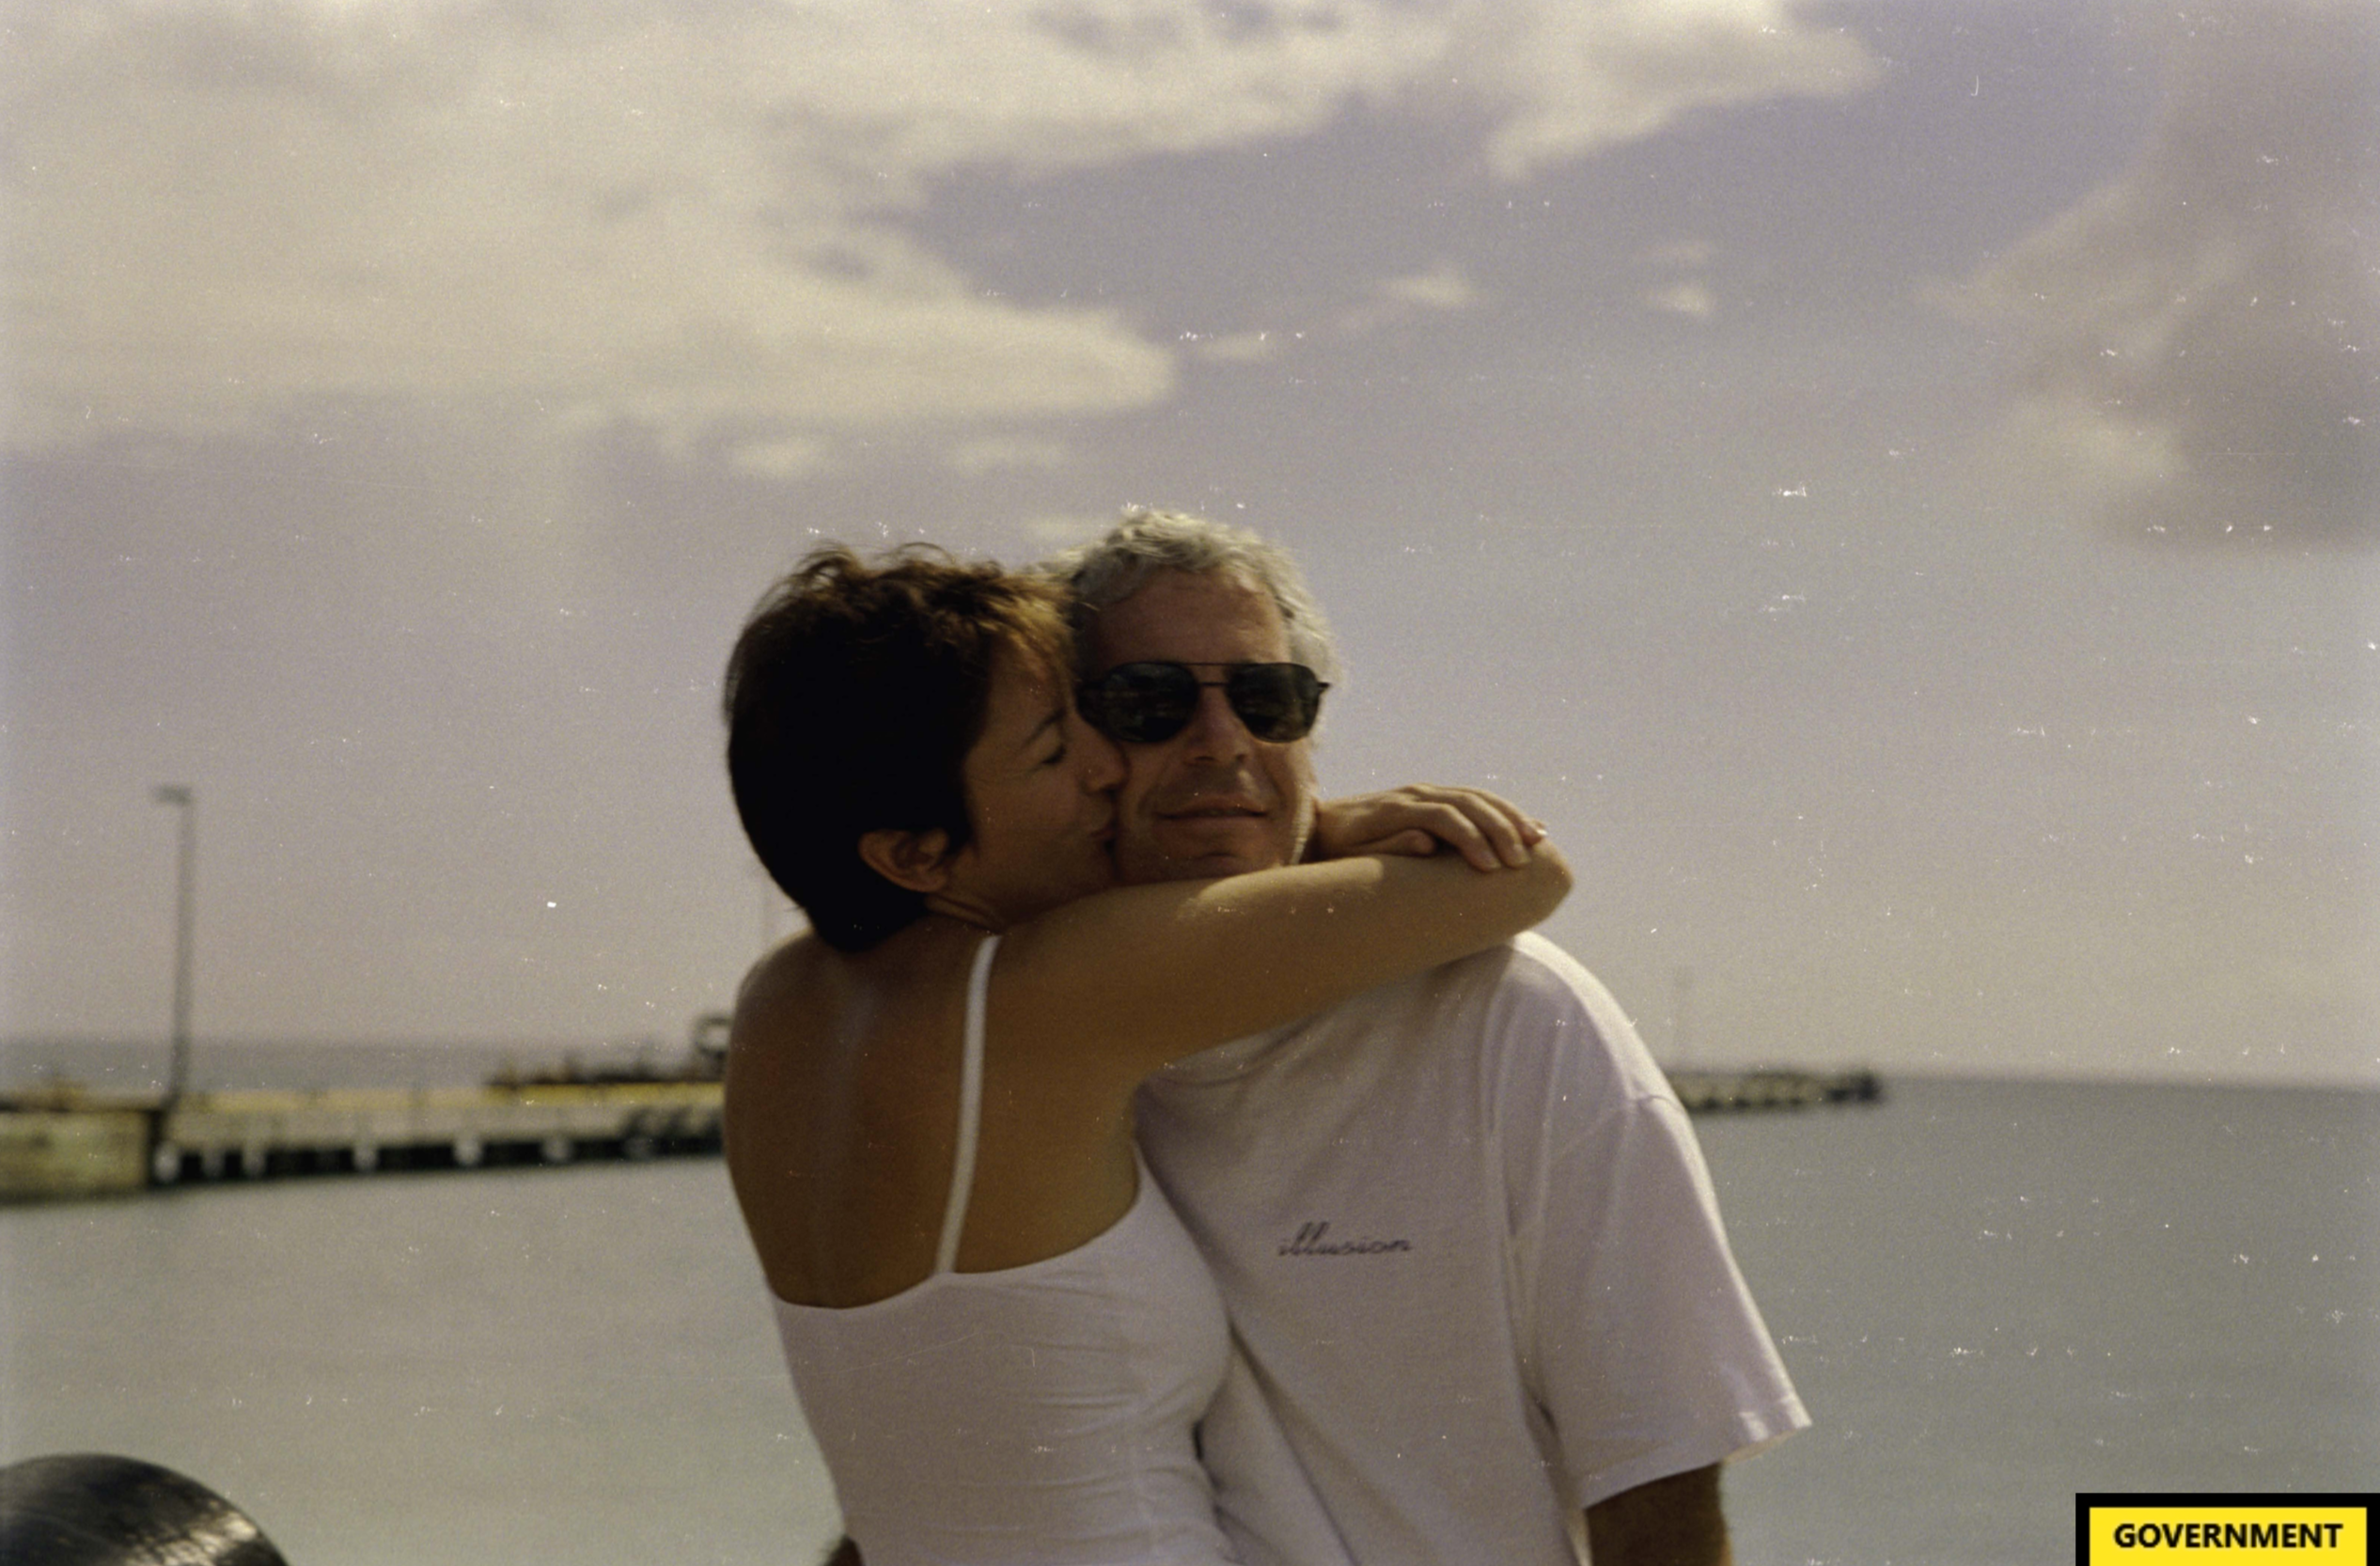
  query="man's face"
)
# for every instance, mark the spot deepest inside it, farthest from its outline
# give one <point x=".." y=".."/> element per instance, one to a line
<point x="1213" y="800"/>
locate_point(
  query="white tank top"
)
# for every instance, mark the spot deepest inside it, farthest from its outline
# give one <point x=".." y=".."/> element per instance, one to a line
<point x="1037" y="1416"/>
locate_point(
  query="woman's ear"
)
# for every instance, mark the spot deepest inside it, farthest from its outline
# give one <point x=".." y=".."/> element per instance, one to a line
<point x="919" y="861"/>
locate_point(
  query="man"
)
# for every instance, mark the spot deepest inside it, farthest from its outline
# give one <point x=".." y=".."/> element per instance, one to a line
<point x="1482" y="1304"/>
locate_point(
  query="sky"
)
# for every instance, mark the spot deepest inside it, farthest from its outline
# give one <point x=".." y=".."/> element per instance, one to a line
<point x="1894" y="483"/>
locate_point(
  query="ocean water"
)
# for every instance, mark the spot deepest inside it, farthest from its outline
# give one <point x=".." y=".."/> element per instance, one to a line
<point x="1992" y="1295"/>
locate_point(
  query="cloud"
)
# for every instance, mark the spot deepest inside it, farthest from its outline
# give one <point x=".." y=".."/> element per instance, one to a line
<point x="697" y="218"/>
<point x="2199" y="340"/>
<point x="219" y="213"/>
<point x="1393" y="300"/>
<point x="1239" y="348"/>
<point x="1687" y="297"/>
<point x="1568" y="79"/>
<point x="992" y="453"/>
<point x="789" y="457"/>
<point x="1442" y="287"/>
<point x="1686" y="292"/>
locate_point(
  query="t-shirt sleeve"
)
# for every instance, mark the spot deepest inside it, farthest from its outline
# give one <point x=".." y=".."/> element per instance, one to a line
<point x="1637" y="1337"/>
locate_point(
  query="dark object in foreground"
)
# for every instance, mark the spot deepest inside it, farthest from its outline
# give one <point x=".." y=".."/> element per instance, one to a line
<point x="88" y="1508"/>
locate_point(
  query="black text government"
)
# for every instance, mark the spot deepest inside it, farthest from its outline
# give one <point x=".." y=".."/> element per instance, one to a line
<point x="2228" y="1536"/>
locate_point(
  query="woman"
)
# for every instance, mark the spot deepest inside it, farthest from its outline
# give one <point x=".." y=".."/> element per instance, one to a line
<point x="1000" y="1335"/>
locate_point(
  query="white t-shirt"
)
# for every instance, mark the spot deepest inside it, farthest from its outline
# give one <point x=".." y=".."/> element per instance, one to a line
<point x="1474" y="1267"/>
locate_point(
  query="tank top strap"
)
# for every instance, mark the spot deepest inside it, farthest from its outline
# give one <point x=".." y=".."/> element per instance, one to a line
<point x="954" y="1210"/>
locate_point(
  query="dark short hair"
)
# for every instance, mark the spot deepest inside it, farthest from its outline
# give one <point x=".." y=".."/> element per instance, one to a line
<point x="852" y="697"/>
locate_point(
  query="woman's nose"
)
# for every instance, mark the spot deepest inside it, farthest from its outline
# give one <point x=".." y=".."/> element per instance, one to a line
<point x="1102" y="763"/>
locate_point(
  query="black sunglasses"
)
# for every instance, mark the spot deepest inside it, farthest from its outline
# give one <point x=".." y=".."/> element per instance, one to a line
<point x="1151" y="703"/>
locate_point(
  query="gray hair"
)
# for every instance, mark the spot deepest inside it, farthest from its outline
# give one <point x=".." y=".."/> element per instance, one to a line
<point x="1102" y="575"/>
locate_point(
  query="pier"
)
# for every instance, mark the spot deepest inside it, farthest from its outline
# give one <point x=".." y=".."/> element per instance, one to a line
<point x="63" y="1142"/>
<point x="69" y="1144"/>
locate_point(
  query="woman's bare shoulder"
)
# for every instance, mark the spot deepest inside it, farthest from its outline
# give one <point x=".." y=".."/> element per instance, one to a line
<point x="786" y="970"/>
<point x="804" y="987"/>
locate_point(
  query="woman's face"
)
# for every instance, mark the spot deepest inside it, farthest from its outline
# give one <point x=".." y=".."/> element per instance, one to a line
<point x="1040" y="798"/>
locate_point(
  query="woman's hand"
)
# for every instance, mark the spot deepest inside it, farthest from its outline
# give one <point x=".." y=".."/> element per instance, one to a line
<point x="1416" y="820"/>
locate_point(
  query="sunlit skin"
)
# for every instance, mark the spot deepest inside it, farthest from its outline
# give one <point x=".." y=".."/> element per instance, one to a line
<point x="1213" y="800"/>
<point x="1040" y="787"/>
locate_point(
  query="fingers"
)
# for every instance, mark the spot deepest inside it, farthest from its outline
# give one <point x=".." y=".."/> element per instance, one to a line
<point x="1486" y="829"/>
<point x="1510" y="828"/>
<point x="1412" y="843"/>
<point x="1464" y="820"/>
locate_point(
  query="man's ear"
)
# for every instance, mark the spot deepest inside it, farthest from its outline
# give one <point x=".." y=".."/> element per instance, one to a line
<point x="919" y="861"/>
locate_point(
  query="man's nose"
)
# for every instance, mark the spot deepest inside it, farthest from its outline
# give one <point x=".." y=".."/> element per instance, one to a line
<point x="1215" y="732"/>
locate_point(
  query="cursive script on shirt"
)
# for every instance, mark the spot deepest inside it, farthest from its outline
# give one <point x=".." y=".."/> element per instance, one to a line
<point x="1313" y="1239"/>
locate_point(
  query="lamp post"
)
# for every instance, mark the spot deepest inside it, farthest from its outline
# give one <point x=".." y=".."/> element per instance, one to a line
<point x="186" y="916"/>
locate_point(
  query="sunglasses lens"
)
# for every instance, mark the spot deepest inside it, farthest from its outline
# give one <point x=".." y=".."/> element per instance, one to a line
<point x="1277" y="701"/>
<point x="1151" y="703"/>
<point x="1141" y="703"/>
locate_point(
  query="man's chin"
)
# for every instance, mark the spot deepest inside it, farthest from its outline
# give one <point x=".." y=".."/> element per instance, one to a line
<point x="1183" y="851"/>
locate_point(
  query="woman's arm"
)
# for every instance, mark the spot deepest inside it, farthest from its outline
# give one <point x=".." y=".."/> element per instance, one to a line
<point x="1419" y="818"/>
<point x="1134" y="978"/>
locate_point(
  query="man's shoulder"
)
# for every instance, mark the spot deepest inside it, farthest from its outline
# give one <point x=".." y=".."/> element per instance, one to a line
<point x="1527" y="973"/>
<point x="1538" y="962"/>
<point x="1526" y="1005"/>
<point x="1525" y="986"/>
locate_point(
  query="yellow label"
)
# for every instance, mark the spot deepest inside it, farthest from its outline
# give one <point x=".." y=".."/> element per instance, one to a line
<point x="2229" y="1535"/>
